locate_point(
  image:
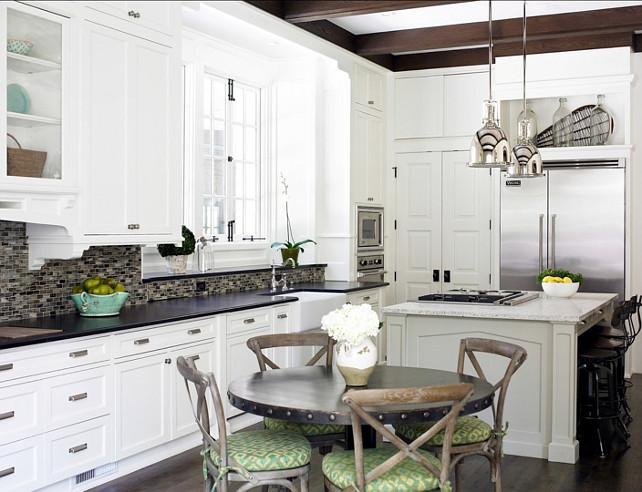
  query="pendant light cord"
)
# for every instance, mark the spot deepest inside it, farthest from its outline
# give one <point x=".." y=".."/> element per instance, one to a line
<point x="524" y="64"/>
<point x="490" y="50"/>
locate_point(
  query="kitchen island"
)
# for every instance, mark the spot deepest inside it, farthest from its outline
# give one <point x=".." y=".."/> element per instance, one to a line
<point x="541" y="401"/>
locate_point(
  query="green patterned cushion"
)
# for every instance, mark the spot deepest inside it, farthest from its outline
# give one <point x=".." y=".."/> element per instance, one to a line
<point x="408" y="475"/>
<point x="468" y="429"/>
<point x="264" y="450"/>
<point x="303" y="428"/>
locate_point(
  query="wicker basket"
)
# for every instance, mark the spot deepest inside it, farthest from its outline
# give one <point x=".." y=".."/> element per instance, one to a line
<point x="23" y="162"/>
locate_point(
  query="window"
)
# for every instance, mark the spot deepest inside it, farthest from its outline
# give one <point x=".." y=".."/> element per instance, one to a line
<point x="231" y="158"/>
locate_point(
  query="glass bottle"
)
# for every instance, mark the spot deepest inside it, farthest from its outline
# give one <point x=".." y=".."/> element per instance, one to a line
<point x="601" y="123"/>
<point x="531" y="118"/>
<point x="562" y="126"/>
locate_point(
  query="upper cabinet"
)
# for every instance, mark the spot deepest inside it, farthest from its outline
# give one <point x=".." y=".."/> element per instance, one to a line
<point x="368" y="88"/>
<point x="436" y="106"/>
<point x="133" y="162"/>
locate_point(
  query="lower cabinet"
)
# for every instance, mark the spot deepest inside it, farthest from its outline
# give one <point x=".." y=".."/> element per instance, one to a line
<point x="22" y="464"/>
<point x="372" y="297"/>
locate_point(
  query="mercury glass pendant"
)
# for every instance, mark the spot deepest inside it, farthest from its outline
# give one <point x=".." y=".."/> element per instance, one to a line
<point x="526" y="161"/>
<point x="490" y="147"/>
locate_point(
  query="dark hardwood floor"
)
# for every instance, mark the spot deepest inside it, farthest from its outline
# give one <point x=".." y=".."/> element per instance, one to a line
<point x="619" y="471"/>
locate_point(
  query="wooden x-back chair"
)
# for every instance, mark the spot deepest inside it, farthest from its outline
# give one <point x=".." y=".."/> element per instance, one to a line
<point x="258" y="458"/>
<point x="472" y="435"/>
<point x="402" y="466"/>
<point x="322" y="436"/>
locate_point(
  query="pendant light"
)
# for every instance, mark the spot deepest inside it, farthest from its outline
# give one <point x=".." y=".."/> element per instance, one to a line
<point x="490" y="147"/>
<point x="526" y="161"/>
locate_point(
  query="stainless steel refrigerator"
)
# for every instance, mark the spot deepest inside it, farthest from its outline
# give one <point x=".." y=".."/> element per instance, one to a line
<point x="573" y="218"/>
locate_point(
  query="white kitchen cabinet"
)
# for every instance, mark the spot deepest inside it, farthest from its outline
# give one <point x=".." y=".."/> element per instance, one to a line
<point x="374" y="298"/>
<point x="368" y="159"/>
<point x="22" y="465"/>
<point x="132" y="166"/>
<point x="240" y="360"/>
<point x="443" y="224"/>
<point x="368" y="88"/>
<point x="447" y="105"/>
<point x="152" y="406"/>
<point x="159" y="16"/>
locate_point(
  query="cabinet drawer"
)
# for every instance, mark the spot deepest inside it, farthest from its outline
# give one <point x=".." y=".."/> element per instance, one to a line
<point x="248" y="320"/>
<point x="20" y="412"/>
<point x="52" y="357"/>
<point x="79" y="396"/>
<point x="77" y="448"/>
<point x="141" y="341"/>
<point x="22" y="465"/>
<point x="369" y="297"/>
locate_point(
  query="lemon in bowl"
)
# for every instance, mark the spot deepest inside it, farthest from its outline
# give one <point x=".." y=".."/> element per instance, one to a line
<point x="560" y="289"/>
<point x="559" y="282"/>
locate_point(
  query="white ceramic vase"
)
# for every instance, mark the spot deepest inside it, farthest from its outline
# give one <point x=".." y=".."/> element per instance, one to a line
<point x="176" y="263"/>
<point x="356" y="362"/>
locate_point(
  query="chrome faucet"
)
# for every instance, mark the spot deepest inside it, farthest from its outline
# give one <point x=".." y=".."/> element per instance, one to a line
<point x="286" y="262"/>
<point x="274" y="284"/>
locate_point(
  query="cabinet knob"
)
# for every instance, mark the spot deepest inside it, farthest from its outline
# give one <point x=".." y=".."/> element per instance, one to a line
<point x="7" y="471"/>
<point x="370" y="102"/>
<point x="78" y="353"/>
<point x="195" y="331"/>
<point x="6" y="367"/>
<point x="7" y="415"/>
<point x="79" y="396"/>
<point x="76" y="449"/>
<point x="248" y="321"/>
<point x="133" y="14"/>
<point x="168" y="361"/>
<point x="281" y="316"/>
<point x="366" y="298"/>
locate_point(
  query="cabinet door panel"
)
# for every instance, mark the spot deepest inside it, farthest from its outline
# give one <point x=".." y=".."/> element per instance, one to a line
<point x="418" y="223"/>
<point x="463" y="98"/>
<point x="142" y="413"/>
<point x="23" y="464"/>
<point x="465" y="223"/>
<point x="418" y="107"/>
<point x="109" y="129"/>
<point x="153" y="170"/>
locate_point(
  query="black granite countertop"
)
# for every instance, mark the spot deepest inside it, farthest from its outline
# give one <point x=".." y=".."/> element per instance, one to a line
<point x="133" y="316"/>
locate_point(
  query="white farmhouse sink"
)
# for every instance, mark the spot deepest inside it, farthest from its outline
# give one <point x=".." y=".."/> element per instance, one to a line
<point x="311" y="307"/>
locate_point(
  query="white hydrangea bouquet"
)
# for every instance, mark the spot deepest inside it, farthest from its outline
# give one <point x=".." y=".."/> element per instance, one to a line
<point x="351" y="323"/>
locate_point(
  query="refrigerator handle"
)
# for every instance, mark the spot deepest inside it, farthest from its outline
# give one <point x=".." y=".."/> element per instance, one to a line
<point x="553" y="220"/>
<point x="541" y="239"/>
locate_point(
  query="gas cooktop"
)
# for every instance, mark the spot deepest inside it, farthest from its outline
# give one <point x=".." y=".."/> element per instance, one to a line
<point x="507" y="297"/>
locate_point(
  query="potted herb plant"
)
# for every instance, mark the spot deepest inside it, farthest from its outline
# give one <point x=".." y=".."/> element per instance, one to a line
<point x="176" y="256"/>
<point x="290" y="249"/>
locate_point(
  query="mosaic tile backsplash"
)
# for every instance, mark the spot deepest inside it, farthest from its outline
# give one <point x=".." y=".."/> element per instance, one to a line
<point x="28" y="293"/>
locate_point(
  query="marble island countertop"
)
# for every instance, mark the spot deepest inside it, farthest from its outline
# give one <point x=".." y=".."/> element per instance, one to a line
<point x="544" y="308"/>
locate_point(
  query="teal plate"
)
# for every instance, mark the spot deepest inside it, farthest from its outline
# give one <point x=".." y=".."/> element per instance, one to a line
<point x="18" y="99"/>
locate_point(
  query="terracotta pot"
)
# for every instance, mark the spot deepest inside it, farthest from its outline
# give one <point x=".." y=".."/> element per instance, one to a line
<point x="356" y="362"/>
<point x="290" y="253"/>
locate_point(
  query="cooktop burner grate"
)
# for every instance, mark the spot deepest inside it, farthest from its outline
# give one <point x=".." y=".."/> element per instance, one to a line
<point x="471" y="296"/>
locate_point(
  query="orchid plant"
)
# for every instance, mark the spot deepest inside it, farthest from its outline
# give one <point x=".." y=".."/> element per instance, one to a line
<point x="290" y="243"/>
<point x="351" y="323"/>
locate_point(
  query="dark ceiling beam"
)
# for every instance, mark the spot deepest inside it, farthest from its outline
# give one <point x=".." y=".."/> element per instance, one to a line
<point x="332" y="33"/>
<point x="309" y="11"/>
<point x="637" y="43"/>
<point x="479" y="56"/>
<point x="593" y="22"/>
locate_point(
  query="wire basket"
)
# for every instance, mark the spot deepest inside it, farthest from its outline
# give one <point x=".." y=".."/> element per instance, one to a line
<point x="579" y="124"/>
<point x="23" y="162"/>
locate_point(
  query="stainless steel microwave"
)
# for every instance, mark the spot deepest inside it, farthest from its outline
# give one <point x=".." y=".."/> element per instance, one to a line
<point x="369" y="228"/>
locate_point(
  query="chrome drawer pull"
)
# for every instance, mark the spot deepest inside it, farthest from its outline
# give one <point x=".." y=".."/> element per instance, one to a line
<point x="7" y="415"/>
<point x="248" y="321"/>
<point x="367" y="298"/>
<point x="76" y="449"/>
<point x="194" y="357"/>
<point x="79" y="353"/>
<point x="281" y="316"/>
<point x="194" y="332"/>
<point x="79" y="396"/>
<point x="141" y="341"/>
<point x="6" y="367"/>
<point x="7" y="471"/>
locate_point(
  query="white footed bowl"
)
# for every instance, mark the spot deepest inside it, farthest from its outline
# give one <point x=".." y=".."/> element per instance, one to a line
<point x="560" y="290"/>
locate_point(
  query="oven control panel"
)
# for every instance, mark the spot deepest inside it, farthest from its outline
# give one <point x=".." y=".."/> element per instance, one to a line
<point x="369" y="262"/>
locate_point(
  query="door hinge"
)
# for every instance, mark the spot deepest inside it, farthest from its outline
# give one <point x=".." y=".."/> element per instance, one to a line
<point x="490" y="279"/>
<point x="395" y="224"/>
<point x="395" y="276"/>
<point x="230" y="90"/>
<point x="490" y="224"/>
<point x="395" y="170"/>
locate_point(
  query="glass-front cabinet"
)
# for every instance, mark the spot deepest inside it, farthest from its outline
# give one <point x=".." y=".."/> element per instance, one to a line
<point x="36" y="84"/>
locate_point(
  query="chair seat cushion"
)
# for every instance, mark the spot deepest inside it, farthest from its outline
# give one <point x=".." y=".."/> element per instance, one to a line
<point x="303" y="428"/>
<point x="407" y="475"/>
<point x="265" y="450"/>
<point x="468" y="430"/>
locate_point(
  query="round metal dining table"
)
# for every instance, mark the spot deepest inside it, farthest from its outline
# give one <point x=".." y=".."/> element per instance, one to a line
<point x="313" y="394"/>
